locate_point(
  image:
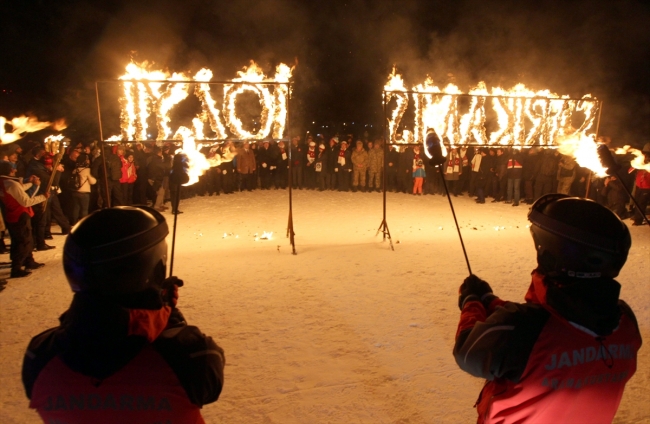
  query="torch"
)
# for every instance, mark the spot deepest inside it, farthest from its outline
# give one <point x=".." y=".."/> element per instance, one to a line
<point x="434" y="150"/>
<point x="612" y="167"/>
<point x="55" y="165"/>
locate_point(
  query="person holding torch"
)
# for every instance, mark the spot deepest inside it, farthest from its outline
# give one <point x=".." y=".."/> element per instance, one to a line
<point x="565" y="355"/>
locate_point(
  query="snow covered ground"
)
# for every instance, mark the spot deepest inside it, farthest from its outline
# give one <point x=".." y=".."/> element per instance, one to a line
<point x="347" y="331"/>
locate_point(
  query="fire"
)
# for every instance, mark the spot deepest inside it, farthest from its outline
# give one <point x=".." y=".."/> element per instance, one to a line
<point x="198" y="164"/>
<point x="639" y="158"/>
<point x="584" y="149"/>
<point x="20" y="125"/>
<point x="142" y="98"/>
<point x="52" y="143"/>
<point x="524" y="117"/>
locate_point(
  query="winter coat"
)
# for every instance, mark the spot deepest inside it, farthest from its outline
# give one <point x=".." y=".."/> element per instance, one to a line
<point x="547" y="164"/>
<point x="282" y="159"/>
<point x="453" y="167"/>
<point x="245" y="161"/>
<point x="514" y="168"/>
<point x="529" y="165"/>
<point x="500" y="166"/>
<point x="343" y="161"/>
<point x="108" y="364"/>
<point x="393" y="158"/>
<point x="265" y="158"/>
<point x="418" y="166"/>
<point x="360" y="159"/>
<point x="567" y="168"/>
<point x="297" y="155"/>
<point x="406" y="162"/>
<point x="332" y="157"/>
<point x="322" y="158"/>
<point x="642" y="179"/>
<point x="15" y="199"/>
<point x="156" y="171"/>
<point x="561" y="357"/>
<point x="376" y="159"/>
<point x="84" y="178"/>
<point x="128" y="172"/>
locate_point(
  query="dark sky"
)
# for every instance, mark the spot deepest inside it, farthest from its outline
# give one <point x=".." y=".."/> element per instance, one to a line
<point x="53" y="51"/>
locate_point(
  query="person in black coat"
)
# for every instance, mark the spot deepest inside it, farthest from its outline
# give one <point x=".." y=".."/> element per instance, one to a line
<point x="332" y="163"/>
<point x="392" y="162"/>
<point x="264" y="163"/>
<point x="405" y="170"/>
<point x="281" y="166"/>
<point x="344" y="168"/>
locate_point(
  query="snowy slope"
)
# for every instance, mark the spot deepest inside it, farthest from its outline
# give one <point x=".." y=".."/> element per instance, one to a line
<point x="345" y="331"/>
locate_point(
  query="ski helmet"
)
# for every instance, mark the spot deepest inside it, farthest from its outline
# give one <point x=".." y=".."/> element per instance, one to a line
<point x="578" y="238"/>
<point x="117" y="251"/>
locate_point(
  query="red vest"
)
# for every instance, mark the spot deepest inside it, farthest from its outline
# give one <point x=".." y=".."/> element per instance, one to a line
<point x="567" y="379"/>
<point x="13" y="209"/>
<point x="146" y="390"/>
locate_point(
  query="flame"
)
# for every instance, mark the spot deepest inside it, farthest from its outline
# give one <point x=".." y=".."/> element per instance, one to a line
<point x="584" y="149"/>
<point x="395" y="84"/>
<point x="52" y="143"/>
<point x="198" y="164"/>
<point x="524" y="116"/>
<point x="639" y="161"/>
<point x="142" y="97"/>
<point x="20" y="125"/>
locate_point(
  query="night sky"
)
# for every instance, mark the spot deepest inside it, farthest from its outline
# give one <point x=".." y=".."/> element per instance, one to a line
<point x="54" y="51"/>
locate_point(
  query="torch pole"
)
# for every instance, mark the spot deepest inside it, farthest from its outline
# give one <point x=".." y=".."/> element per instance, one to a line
<point x="102" y="146"/>
<point x="54" y="171"/>
<point x="453" y="212"/>
<point x="177" y="200"/>
<point x="290" y="233"/>
<point x="383" y="227"/>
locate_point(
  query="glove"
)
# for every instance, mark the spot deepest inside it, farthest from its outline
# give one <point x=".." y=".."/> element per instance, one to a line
<point x="263" y="165"/>
<point x="473" y="288"/>
<point x="336" y="170"/>
<point x="170" y="290"/>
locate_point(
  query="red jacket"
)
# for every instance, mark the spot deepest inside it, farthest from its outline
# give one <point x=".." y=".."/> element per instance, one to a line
<point x="543" y="368"/>
<point x="16" y="200"/>
<point x="642" y="178"/>
<point x="128" y="171"/>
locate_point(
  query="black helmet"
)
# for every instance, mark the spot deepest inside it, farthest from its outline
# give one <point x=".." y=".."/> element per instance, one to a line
<point x="117" y="251"/>
<point x="578" y="238"/>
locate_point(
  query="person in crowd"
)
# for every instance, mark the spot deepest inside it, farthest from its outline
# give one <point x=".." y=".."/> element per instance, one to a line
<point x="453" y="170"/>
<point x="320" y="167"/>
<point x="265" y="161"/>
<point x="123" y="352"/>
<point x="359" y="159"/>
<point x="419" y="174"/>
<point x="80" y="194"/>
<point x="36" y="167"/>
<point x="141" y="189"/>
<point x="332" y="164"/>
<point x="392" y="164"/>
<point x="344" y="167"/>
<point x="213" y="181"/>
<point x="54" y="211"/>
<point x="471" y="191"/>
<point x="17" y="208"/>
<point x="465" y="176"/>
<point x="129" y="177"/>
<point x="500" y="181"/>
<point x="375" y="166"/>
<point x="168" y="150"/>
<point x="546" y="173"/>
<point x="530" y="167"/>
<point x="113" y="174"/>
<point x="281" y="166"/>
<point x="13" y="156"/>
<point x="482" y="163"/>
<point x="227" y="168"/>
<point x="246" y="167"/>
<point x="566" y="354"/>
<point x="615" y="196"/>
<point x="156" y="174"/>
<point x="642" y="188"/>
<point x="514" y="173"/>
<point x="309" y="173"/>
<point x="405" y="167"/>
<point x="566" y="174"/>
<point x="297" y="163"/>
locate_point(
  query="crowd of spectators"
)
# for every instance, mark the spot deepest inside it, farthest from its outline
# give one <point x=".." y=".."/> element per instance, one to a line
<point x="137" y="173"/>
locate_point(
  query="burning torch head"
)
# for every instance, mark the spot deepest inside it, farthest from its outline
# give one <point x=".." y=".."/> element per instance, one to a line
<point x="119" y="253"/>
<point x="434" y="148"/>
<point x="577" y="238"/>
